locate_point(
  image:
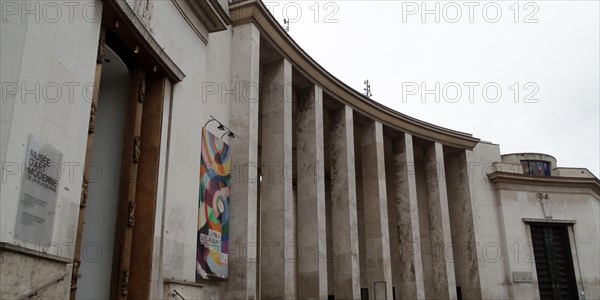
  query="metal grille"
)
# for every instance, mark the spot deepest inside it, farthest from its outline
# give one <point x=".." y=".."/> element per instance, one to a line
<point x="553" y="262"/>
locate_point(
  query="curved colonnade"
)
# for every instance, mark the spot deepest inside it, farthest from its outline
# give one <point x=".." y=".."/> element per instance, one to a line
<point x="375" y="200"/>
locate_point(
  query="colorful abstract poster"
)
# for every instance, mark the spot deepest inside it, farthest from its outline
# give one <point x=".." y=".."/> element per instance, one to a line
<point x="213" y="209"/>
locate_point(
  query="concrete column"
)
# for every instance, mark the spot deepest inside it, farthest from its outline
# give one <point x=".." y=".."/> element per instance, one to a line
<point x="343" y="206"/>
<point x="377" y="239"/>
<point x="312" y="231"/>
<point x="243" y="116"/>
<point x="439" y="221"/>
<point x="277" y="208"/>
<point x="360" y="210"/>
<point x="329" y="264"/>
<point x="425" y="246"/>
<point x="460" y="206"/>
<point x="404" y="223"/>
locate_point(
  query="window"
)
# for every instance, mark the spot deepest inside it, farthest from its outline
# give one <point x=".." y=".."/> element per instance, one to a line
<point x="536" y="168"/>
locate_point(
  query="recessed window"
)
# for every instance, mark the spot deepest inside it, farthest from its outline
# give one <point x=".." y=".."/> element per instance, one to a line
<point x="536" y="168"/>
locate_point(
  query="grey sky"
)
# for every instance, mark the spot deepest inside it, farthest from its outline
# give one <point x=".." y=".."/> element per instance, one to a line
<point x="554" y="61"/>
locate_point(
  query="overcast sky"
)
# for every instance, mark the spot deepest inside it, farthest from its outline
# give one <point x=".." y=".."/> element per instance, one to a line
<point x="544" y="58"/>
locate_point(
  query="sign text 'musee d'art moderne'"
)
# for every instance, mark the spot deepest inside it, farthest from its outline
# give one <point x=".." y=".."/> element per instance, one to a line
<point x="39" y="192"/>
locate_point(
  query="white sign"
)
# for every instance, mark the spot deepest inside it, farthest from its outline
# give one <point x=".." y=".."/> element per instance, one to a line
<point x="37" y="208"/>
<point x="212" y="241"/>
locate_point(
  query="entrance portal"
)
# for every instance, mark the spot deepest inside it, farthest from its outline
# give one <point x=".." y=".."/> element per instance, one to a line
<point x="554" y="262"/>
<point x="98" y="237"/>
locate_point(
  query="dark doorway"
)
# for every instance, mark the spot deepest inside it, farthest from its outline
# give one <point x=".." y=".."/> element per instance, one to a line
<point x="554" y="261"/>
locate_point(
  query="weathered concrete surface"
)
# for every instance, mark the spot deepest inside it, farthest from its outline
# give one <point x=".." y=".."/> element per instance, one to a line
<point x="444" y="283"/>
<point x="405" y="237"/>
<point x="360" y="209"/>
<point x="277" y="207"/>
<point x="20" y="274"/>
<point x="312" y="240"/>
<point x="377" y="240"/>
<point x="343" y="211"/>
<point x="242" y="283"/>
<point x="460" y="207"/>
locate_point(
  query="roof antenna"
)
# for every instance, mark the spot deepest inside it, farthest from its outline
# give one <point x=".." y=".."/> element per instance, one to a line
<point x="287" y="25"/>
<point x="368" y="89"/>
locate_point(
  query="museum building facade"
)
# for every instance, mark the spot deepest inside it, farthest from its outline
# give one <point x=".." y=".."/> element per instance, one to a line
<point x="192" y="150"/>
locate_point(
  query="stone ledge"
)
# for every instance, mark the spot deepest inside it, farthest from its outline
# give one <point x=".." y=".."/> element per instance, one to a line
<point x="22" y="250"/>
<point x="182" y="282"/>
<point x="532" y="220"/>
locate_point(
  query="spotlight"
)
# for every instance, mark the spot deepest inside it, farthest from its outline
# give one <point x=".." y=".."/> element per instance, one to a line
<point x="229" y="134"/>
<point x="212" y="119"/>
<point x="222" y="127"/>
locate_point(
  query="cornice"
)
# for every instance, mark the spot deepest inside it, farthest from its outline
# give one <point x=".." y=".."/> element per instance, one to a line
<point x="204" y="16"/>
<point x="254" y="11"/>
<point x="574" y="182"/>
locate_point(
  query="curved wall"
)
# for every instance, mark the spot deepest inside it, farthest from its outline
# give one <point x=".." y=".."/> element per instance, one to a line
<point x="516" y="158"/>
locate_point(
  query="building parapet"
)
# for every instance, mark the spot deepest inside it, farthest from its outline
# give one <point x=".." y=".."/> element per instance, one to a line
<point x="521" y="179"/>
<point x="574" y="172"/>
<point x="507" y="168"/>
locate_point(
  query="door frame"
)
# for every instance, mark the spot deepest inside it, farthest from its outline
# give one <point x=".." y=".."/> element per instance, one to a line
<point x="570" y="227"/>
<point x="150" y="73"/>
